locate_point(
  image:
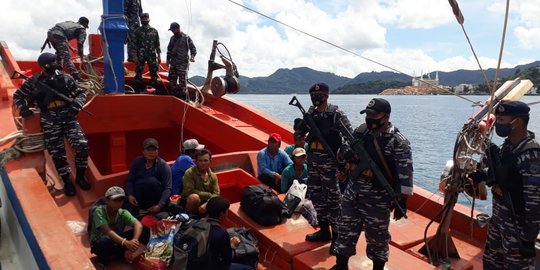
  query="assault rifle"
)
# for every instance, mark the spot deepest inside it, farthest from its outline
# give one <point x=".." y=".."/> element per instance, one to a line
<point x="18" y="75"/>
<point x="312" y="126"/>
<point x="366" y="162"/>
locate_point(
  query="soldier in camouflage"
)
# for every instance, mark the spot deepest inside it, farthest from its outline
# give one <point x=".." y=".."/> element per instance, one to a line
<point x="59" y="37"/>
<point x="323" y="189"/>
<point x="365" y="203"/>
<point x="148" y="50"/>
<point x="180" y="52"/>
<point x="132" y="10"/>
<point x="515" y="223"/>
<point x="58" y="117"/>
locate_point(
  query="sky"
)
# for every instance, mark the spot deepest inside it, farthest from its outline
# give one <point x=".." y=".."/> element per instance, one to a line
<point x="412" y="36"/>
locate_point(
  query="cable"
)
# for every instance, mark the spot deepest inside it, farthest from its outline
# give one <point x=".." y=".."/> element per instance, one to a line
<point x="351" y="52"/>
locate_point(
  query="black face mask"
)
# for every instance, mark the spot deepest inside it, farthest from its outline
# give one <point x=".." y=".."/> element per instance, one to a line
<point x="317" y="99"/>
<point x="51" y="68"/>
<point x="503" y="130"/>
<point x="374" y="123"/>
<point x="145" y="22"/>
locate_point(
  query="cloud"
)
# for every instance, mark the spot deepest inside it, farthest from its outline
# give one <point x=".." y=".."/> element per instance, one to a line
<point x="260" y="46"/>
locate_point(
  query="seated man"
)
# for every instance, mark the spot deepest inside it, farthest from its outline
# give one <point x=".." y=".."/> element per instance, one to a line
<point x="299" y="141"/>
<point x="221" y="244"/>
<point x="200" y="183"/>
<point x="271" y="161"/>
<point x="184" y="162"/>
<point x="149" y="181"/>
<point x="108" y="235"/>
<point x="298" y="170"/>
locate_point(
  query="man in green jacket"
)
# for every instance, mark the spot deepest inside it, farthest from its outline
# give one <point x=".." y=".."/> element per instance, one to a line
<point x="200" y="184"/>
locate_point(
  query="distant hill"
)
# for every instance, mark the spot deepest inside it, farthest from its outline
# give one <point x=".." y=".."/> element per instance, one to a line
<point x="298" y="80"/>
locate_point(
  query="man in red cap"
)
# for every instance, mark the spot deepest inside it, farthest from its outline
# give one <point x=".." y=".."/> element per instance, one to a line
<point x="271" y="161"/>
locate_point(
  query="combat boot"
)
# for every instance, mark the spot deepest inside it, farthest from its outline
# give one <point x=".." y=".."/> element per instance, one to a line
<point x="342" y="263"/>
<point x="69" y="188"/>
<point x="322" y="235"/>
<point x="333" y="242"/>
<point x="378" y="265"/>
<point x="81" y="179"/>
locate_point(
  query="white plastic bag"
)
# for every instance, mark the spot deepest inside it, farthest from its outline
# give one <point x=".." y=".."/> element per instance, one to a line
<point x="298" y="190"/>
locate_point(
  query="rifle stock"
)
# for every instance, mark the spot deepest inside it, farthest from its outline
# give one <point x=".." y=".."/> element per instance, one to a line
<point x="17" y="75"/>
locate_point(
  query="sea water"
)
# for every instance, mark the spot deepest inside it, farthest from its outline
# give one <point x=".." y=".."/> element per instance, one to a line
<point x="431" y="123"/>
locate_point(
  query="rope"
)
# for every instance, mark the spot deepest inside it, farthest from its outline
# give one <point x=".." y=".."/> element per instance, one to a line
<point x="24" y="143"/>
<point x="351" y="52"/>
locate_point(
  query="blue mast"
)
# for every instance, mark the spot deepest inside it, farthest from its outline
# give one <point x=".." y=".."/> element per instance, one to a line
<point x="113" y="30"/>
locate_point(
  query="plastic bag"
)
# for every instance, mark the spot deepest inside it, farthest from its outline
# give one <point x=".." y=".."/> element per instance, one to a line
<point x="298" y="190"/>
<point x="161" y="241"/>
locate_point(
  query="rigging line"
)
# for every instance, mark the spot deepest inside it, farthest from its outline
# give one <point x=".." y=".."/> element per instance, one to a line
<point x="475" y="56"/>
<point x="500" y="59"/>
<point x="349" y="51"/>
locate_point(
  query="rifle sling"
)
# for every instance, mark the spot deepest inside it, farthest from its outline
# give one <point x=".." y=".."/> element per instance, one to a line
<point x="383" y="161"/>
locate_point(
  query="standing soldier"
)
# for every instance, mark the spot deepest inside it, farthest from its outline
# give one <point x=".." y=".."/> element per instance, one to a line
<point x="323" y="187"/>
<point x="58" y="117"/>
<point x="132" y="10"/>
<point x="515" y="223"/>
<point x="59" y="37"/>
<point x="147" y="43"/>
<point x="366" y="203"/>
<point x="180" y="52"/>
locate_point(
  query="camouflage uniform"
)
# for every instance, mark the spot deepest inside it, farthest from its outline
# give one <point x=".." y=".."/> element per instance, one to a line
<point x="507" y="227"/>
<point x="132" y="10"/>
<point x="58" y="118"/>
<point x="59" y="37"/>
<point x="366" y="204"/>
<point x="147" y="42"/>
<point x="323" y="189"/>
<point x="178" y="54"/>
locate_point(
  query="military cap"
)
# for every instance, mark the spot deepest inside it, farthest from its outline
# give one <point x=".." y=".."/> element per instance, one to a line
<point x="46" y="58"/>
<point x="377" y="105"/>
<point x="512" y="108"/>
<point x="319" y="87"/>
<point x="145" y="17"/>
<point x="174" y="25"/>
<point x="84" y="21"/>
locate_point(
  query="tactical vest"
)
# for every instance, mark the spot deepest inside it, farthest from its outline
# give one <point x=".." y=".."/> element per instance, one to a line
<point x="43" y="96"/>
<point x="327" y="124"/>
<point x="369" y="145"/>
<point x="508" y="177"/>
<point x="68" y="29"/>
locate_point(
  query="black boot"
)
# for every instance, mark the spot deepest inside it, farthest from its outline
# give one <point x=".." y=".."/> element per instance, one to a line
<point x="333" y="243"/>
<point x="69" y="188"/>
<point x="378" y="265"/>
<point x="81" y="179"/>
<point x="342" y="263"/>
<point x="322" y="235"/>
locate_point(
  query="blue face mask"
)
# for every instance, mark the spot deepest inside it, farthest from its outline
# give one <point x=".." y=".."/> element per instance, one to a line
<point x="503" y="130"/>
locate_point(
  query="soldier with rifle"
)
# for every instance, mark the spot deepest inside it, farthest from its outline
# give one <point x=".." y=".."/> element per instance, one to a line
<point x="324" y="138"/>
<point x="380" y="166"/>
<point x="59" y="100"/>
<point x="515" y="223"/>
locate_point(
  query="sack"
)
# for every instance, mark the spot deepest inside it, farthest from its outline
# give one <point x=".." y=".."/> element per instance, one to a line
<point x="160" y="245"/>
<point x="95" y="205"/>
<point x="298" y="190"/>
<point x="290" y="202"/>
<point x="247" y="252"/>
<point x="262" y="205"/>
<point x="191" y="248"/>
<point x="308" y="211"/>
<point x="142" y="263"/>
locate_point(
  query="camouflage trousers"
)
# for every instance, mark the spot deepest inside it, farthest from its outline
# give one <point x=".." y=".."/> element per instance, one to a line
<point x="323" y="188"/>
<point x="59" y="124"/>
<point x="131" y="47"/>
<point x="153" y="66"/>
<point x="502" y="245"/>
<point x="364" y="206"/>
<point x="178" y="79"/>
<point x="61" y="45"/>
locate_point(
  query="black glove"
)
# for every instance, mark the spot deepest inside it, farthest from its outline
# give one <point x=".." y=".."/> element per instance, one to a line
<point x="478" y="176"/>
<point x="300" y="125"/>
<point x="26" y="113"/>
<point x="526" y="249"/>
<point x="398" y="214"/>
<point x="347" y="153"/>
